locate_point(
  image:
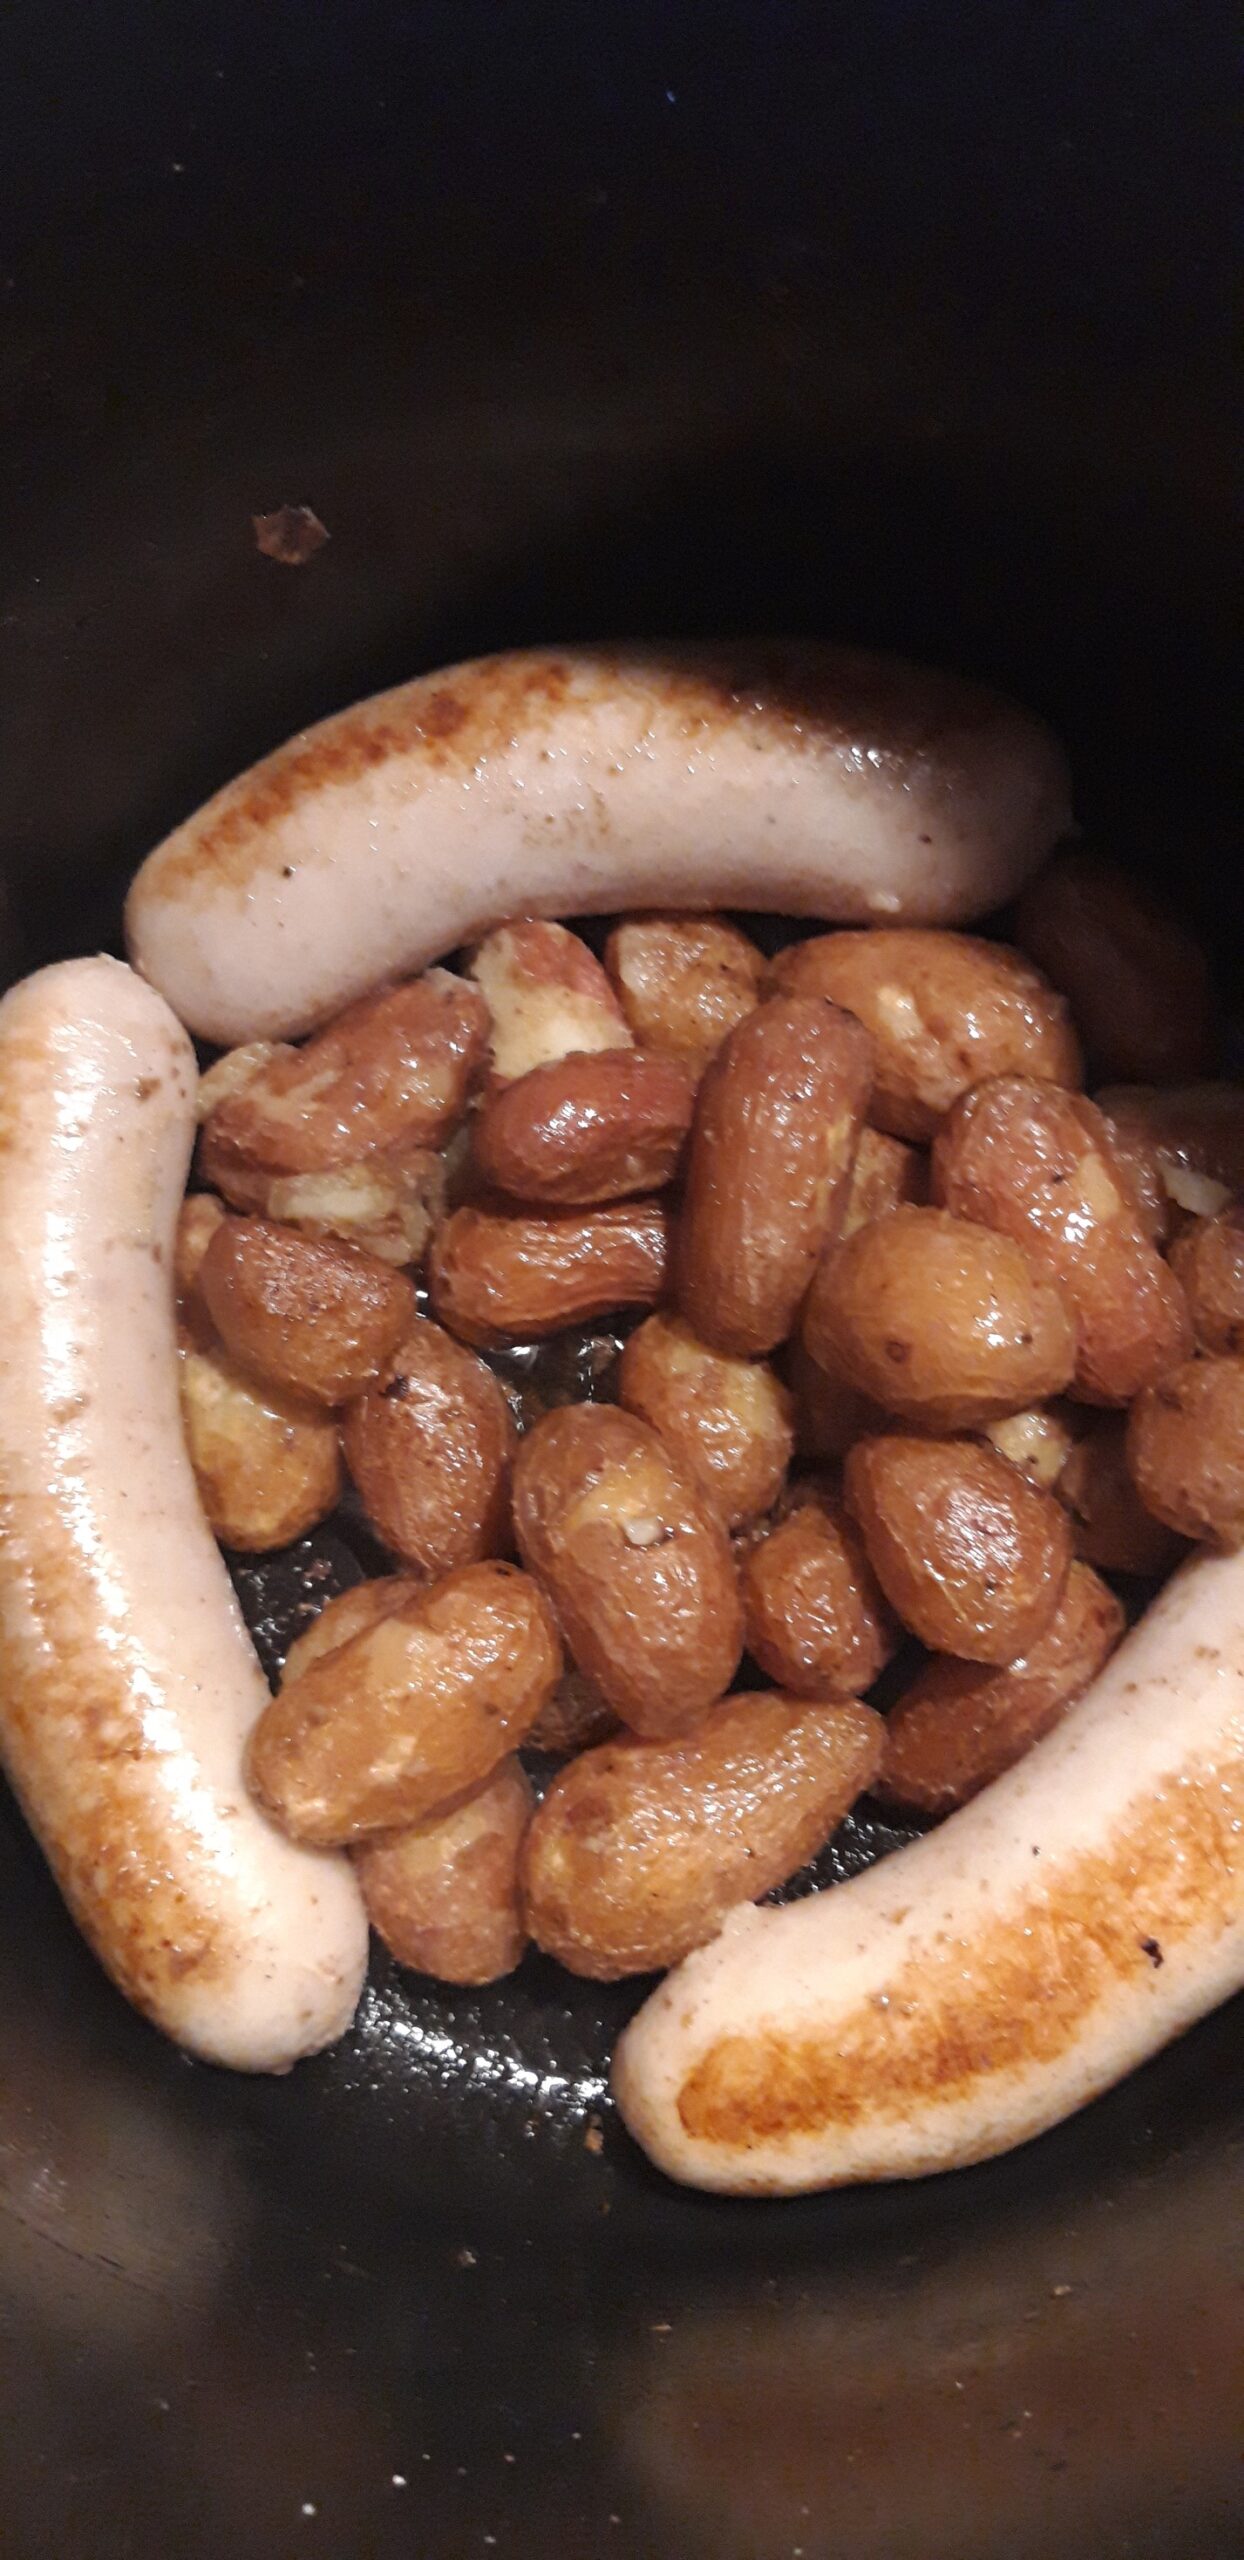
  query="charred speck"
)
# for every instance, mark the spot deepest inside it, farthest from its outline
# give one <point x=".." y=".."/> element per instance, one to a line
<point x="1151" y="1948"/>
<point x="396" y="1389"/>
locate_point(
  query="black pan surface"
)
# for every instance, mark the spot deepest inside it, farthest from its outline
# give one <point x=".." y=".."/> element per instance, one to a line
<point x="899" y="324"/>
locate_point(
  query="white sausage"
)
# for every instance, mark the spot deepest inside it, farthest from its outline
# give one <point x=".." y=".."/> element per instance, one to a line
<point x="807" y="780"/>
<point x="128" y="1682"/>
<point x="977" y="1987"/>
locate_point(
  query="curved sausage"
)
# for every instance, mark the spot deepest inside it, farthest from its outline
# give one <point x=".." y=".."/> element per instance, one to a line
<point x="128" y="1683"/>
<point x="971" y="1991"/>
<point x="778" y="774"/>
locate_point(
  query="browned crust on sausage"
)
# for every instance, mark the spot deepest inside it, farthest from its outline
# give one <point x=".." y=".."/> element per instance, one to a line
<point x="1011" y="2000"/>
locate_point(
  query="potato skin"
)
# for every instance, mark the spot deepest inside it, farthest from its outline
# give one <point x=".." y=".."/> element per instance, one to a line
<point x="729" y="1421"/>
<point x="443" y="1894"/>
<point x="641" y="1848"/>
<point x="395" y="1069"/>
<point x="945" y="1010"/>
<point x="635" y="1560"/>
<point x="816" y="1620"/>
<point x="887" y="1174"/>
<point x="363" y="1605"/>
<point x="500" y="1274"/>
<point x="1137" y="981"/>
<point x="1185" y="1450"/>
<point x="684" y="981"/>
<point x="410" y="1714"/>
<point x="940" y="1321"/>
<point x="1040" y="1166"/>
<point x="584" y="1129"/>
<point x="1208" y="1262"/>
<point x="317" y="1318"/>
<point x="267" y="1465"/>
<point x="1111" y="1526"/>
<point x="772" y="1144"/>
<point x="547" y="997"/>
<point x="971" y="1557"/>
<point x="961" y="1724"/>
<point x="430" y="1450"/>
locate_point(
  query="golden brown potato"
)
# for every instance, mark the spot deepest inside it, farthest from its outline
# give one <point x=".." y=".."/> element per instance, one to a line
<point x="772" y="1144"/>
<point x="972" y="1558"/>
<point x="1039" y="1165"/>
<point x="1110" y="1524"/>
<point x="940" y="1321"/>
<point x="886" y="1175"/>
<point x="267" y="1466"/>
<point x="1040" y="1441"/>
<point x="361" y="1606"/>
<point x="636" y="1561"/>
<point x="1185" y="1450"/>
<point x="547" y="996"/>
<point x="388" y="1204"/>
<point x="815" y="1618"/>
<point x="500" y="1275"/>
<point x="960" y="1724"/>
<point x="1208" y="1262"/>
<point x="393" y="1070"/>
<point x="684" y="981"/>
<point x="944" y="1011"/>
<point x="430" y="1450"/>
<point x="1196" y="1131"/>
<point x="443" y="1894"/>
<point x="600" y="1125"/>
<point x="641" y="1848"/>
<point x="1137" y="981"/>
<point x="727" y="1420"/>
<point x="197" y="1221"/>
<point x="233" y="1071"/>
<point x="318" y="1319"/>
<point x="412" y="1713"/>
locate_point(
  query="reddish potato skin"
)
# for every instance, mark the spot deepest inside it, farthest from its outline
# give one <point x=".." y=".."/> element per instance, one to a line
<point x="961" y="1724"/>
<point x="318" y="1319"/>
<point x="430" y="1451"/>
<point x="500" y="1275"/>
<point x="728" y="1421"/>
<point x="588" y="1128"/>
<point x="816" y="1620"/>
<point x="443" y="1895"/>
<point x="970" y="1556"/>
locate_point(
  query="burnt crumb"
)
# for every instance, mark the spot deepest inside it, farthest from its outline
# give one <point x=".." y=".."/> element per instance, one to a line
<point x="898" y="1352"/>
<point x="1151" y="1948"/>
<point x="291" y="535"/>
<point x="396" y="1389"/>
<point x="145" y="1087"/>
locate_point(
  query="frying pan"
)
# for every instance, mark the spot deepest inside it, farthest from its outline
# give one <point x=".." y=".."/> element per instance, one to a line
<point x="899" y="323"/>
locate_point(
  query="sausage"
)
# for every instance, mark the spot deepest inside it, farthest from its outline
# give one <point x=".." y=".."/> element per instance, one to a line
<point x="810" y="780"/>
<point x="967" y="1993"/>
<point x="128" y="1683"/>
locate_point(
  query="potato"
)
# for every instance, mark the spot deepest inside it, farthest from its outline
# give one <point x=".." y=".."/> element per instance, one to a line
<point x="267" y="1466"/>
<point x="635" y="1560"/>
<point x="1038" y="1442"/>
<point x="1138" y="982"/>
<point x="443" y="1894"/>
<point x="388" y="1204"/>
<point x="1185" y="1450"/>
<point x="641" y="1848"/>
<point x="1195" y="1130"/>
<point x="940" y="1321"/>
<point x="412" y="1713"/>
<point x="197" y="1221"/>
<point x="584" y="1129"/>
<point x="500" y="1275"/>
<point x="363" y="1605"/>
<point x="886" y="1175"/>
<point x="1040" y="1166"/>
<point x="318" y="1319"/>
<point x="815" y="1618"/>
<point x="961" y="1724"/>
<point x="1110" y="1524"/>
<point x="547" y="997"/>
<point x="1208" y="1262"/>
<point x="944" y="1010"/>
<point x="772" y="1144"/>
<point x="684" y="981"/>
<point x="729" y="1421"/>
<point x="430" y="1450"/>
<point x="971" y="1557"/>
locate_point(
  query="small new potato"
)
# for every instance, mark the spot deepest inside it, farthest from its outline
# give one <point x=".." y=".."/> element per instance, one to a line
<point x="636" y="1561"/>
<point x="945" y="1010"/>
<point x="547" y="997"/>
<point x="940" y="1321"/>
<point x="600" y="1125"/>
<point x="1040" y="1166"/>
<point x="500" y="1275"/>
<point x="410" y="1714"/>
<point x="363" y="1605"/>
<point x="1185" y="1450"/>
<point x="815" y="1617"/>
<point x="971" y="1557"/>
<point x="319" y="1319"/>
<point x="772" y="1144"/>
<point x="430" y="1450"/>
<point x="1208" y="1262"/>
<point x="1137" y="981"/>
<point x="1111" y="1526"/>
<point x="1038" y="1442"/>
<point x="728" y="1420"/>
<point x="961" y="1724"/>
<point x="267" y="1466"/>
<point x="684" y="981"/>
<point x="388" y="1204"/>
<point x="640" y="1849"/>
<point x="443" y="1894"/>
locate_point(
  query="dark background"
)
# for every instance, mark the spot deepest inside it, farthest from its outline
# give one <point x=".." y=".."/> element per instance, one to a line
<point x="903" y="323"/>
